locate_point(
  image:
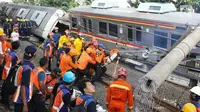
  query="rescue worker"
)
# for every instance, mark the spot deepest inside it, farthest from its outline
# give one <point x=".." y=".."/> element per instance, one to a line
<point x="61" y="51"/>
<point x="118" y="93"/>
<point x="194" y="98"/>
<point x="66" y="63"/>
<point x="15" y="34"/>
<point x="50" y="35"/>
<point x="56" y="38"/>
<point x="39" y="95"/>
<point x="4" y="48"/>
<point x="48" y="52"/>
<point x="64" y="39"/>
<point x="78" y="43"/>
<point x="84" y="64"/>
<point x="25" y="76"/>
<point x="64" y="92"/>
<point x="189" y="107"/>
<point x="11" y="60"/>
<point x="11" y="24"/>
<point x="71" y="42"/>
<point x="52" y="80"/>
<point x="6" y="26"/>
<point x="99" y="70"/>
<point x="87" y="89"/>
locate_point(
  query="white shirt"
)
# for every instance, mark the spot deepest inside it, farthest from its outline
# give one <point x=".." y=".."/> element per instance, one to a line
<point x="15" y="36"/>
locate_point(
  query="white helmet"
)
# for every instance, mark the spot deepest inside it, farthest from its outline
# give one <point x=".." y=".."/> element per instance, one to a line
<point x="195" y="90"/>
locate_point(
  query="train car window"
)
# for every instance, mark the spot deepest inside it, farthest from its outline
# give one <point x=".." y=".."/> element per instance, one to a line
<point x="113" y="30"/>
<point x="84" y="24"/>
<point x="160" y="41"/>
<point x="155" y="8"/>
<point x="103" y="27"/>
<point x="176" y="37"/>
<point x="37" y="15"/>
<point x="138" y="34"/>
<point x="130" y="33"/>
<point x="90" y="25"/>
<point x="74" y="22"/>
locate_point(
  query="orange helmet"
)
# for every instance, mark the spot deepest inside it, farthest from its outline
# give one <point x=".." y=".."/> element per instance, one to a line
<point x="72" y="52"/>
<point x="122" y="71"/>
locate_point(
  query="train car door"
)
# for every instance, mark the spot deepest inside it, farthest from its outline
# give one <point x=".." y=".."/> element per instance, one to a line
<point x="23" y="13"/>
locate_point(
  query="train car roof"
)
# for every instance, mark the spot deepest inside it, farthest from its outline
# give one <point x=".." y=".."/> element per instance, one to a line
<point x="170" y="17"/>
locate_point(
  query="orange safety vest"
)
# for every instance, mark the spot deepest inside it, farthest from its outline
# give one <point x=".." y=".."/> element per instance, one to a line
<point x="4" y="46"/>
<point x="50" y="84"/>
<point x="18" y="80"/>
<point x="8" y="65"/>
<point x="58" y="102"/>
<point x="36" y="81"/>
<point x="48" y="53"/>
<point x="84" y="60"/>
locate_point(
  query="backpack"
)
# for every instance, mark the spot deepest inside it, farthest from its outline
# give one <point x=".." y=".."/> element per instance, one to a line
<point x="80" y="107"/>
<point x="10" y="80"/>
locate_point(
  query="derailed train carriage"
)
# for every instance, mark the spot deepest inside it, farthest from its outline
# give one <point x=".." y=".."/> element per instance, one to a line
<point x="154" y="25"/>
<point x="46" y="18"/>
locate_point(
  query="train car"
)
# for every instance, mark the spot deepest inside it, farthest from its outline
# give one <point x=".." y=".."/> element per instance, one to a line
<point x="156" y="25"/>
<point x="46" y="18"/>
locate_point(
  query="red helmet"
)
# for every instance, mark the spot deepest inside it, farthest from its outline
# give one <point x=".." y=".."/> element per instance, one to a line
<point x="122" y="71"/>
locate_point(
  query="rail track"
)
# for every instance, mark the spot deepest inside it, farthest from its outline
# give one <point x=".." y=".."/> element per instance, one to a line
<point x="160" y="103"/>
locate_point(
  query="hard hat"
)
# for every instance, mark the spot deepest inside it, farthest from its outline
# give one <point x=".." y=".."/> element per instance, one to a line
<point x="50" y="33"/>
<point x="195" y="90"/>
<point x="72" y="52"/>
<point x="68" y="77"/>
<point x="10" y="20"/>
<point x="7" y="19"/>
<point x="26" y="19"/>
<point x="189" y="107"/>
<point x="72" y="39"/>
<point x="67" y="31"/>
<point x="18" y="19"/>
<point x="101" y="45"/>
<point x="1" y="32"/>
<point x="56" y="28"/>
<point x="122" y="71"/>
<point x="90" y="50"/>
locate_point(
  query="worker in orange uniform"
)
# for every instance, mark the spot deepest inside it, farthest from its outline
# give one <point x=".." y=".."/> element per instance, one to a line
<point x="118" y="93"/>
<point x="85" y="62"/>
<point x="61" y="52"/>
<point x="64" y="92"/>
<point x="11" y="62"/>
<point x="66" y="62"/>
<point x="64" y="39"/>
<point x="99" y="70"/>
<point x="39" y="94"/>
<point x="48" y="52"/>
<point x="52" y="80"/>
<point x="4" y="48"/>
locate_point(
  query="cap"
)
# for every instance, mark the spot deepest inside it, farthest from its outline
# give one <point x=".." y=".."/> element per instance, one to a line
<point x="101" y="45"/>
<point x="30" y="52"/>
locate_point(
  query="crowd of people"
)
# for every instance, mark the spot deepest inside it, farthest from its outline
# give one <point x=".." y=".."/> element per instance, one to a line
<point x="78" y="64"/>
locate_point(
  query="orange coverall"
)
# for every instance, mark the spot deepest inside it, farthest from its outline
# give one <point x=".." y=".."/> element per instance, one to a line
<point x="117" y="94"/>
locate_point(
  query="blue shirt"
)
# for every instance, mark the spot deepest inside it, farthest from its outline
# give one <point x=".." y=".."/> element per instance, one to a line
<point x="56" y="37"/>
<point x="41" y="76"/>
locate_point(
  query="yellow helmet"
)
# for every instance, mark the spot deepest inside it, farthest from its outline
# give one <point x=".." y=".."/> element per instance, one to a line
<point x="7" y="19"/>
<point x="26" y="19"/>
<point x="1" y="32"/>
<point x="189" y="107"/>
<point x="10" y="20"/>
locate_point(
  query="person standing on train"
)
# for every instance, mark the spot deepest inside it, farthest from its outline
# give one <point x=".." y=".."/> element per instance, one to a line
<point x="15" y="34"/>
<point x="11" y="60"/>
<point x="25" y="76"/>
<point x="194" y="98"/>
<point x="85" y="62"/>
<point x="48" y="52"/>
<point x="63" y="98"/>
<point x="39" y="94"/>
<point x="118" y="93"/>
<point x="99" y="70"/>
<point x="78" y="43"/>
<point x="64" y="39"/>
<point x="66" y="63"/>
